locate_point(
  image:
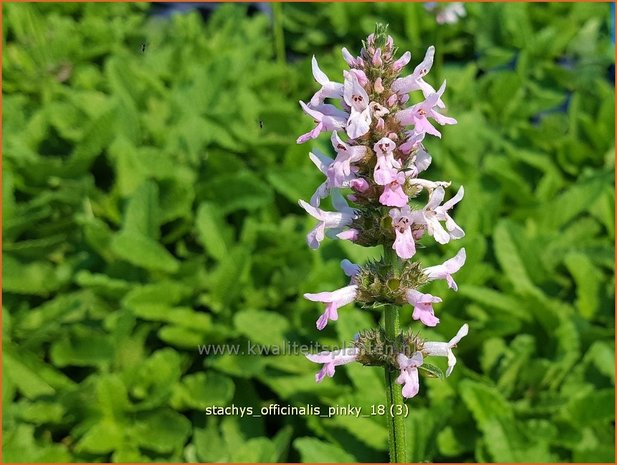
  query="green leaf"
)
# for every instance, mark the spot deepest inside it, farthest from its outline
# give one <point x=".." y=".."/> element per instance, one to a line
<point x="238" y="191"/>
<point x="315" y="451"/>
<point x="104" y="437"/>
<point x="510" y="259"/>
<point x="594" y="407"/>
<point x="144" y="252"/>
<point x="19" y="445"/>
<point x="82" y="347"/>
<point x="226" y="280"/>
<point x="578" y="198"/>
<point x="588" y="281"/>
<point x="141" y="216"/>
<point x="161" y="431"/>
<point x="27" y="381"/>
<point x="211" y="230"/>
<point x="30" y="375"/>
<point x="202" y="390"/>
<point x="112" y="397"/>
<point x="36" y="278"/>
<point x="209" y="445"/>
<point x="294" y="184"/>
<point x="181" y="336"/>
<point x="262" y="327"/>
<point x="502" y="436"/>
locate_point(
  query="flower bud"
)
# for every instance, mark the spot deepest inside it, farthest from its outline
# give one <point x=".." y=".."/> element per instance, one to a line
<point x="377" y="58"/>
<point x="401" y="62"/>
<point x="378" y="86"/>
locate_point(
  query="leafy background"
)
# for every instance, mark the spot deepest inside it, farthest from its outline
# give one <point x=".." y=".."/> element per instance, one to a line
<point x="146" y="211"/>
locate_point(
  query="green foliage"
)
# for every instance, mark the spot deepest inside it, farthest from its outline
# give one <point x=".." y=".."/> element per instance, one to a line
<point x="146" y="212"/>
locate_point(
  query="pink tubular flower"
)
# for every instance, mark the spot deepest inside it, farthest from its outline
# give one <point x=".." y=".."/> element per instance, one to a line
<point x="444" y="349"/>
<point x="327" y="117"/>
<point x="433" y="213"/>
<point x="447" y="268"/>
<point x="335" y="300"/>
<point x="327" y="220"/>
<point x="359" y="184"/>
<point x="331" y="360"/>
<point x="323" y="164"/>
<point x="421" y="160"/>
<point x="349" y="235"/>
<point x="348" y="57"/>
<point x="328" y="89"/>
<point x="423" y="306"/>
<point x="409" y="373"/>
<point x="404" y="244"/>
<point x="338" y="298"/>
<point x="377" y="61"/>
<point x="386" y="169"/>
<point x="346" y="155"/>
<point x="419" y="113"/>
<point x="401" y="62"/>
<point x="360" y="75"/>
<point x="415" y="81"/>
<point x="356" y="97"/>
<point x="393" y="195"/>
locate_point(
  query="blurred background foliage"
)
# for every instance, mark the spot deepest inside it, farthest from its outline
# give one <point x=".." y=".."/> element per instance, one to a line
<point x="149" y="188"/>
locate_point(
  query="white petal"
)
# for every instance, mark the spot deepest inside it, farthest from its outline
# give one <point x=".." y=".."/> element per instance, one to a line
<point x="318" y="74"/>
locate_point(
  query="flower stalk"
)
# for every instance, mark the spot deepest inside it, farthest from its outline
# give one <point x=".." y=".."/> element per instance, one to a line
<point x="394" y="396"/>
<point x="378" y="141"/>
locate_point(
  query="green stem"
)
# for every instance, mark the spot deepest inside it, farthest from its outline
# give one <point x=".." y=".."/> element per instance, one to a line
<point x="394" y="395"/>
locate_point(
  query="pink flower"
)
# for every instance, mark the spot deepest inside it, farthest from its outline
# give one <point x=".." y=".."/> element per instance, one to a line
<point x="338" y="298"/>
<point x="409" y="373"/>
<point x="360" y="75"/>
<point x="423" y="306"/>
<point x="356" y="97"/>
<point x="413" y="144"/>
<point x="331" y="360"/>
<point x="401" y="62"/>
<point x="378" y="110"/>
<point x="447" y="268"/>
<point x="349" y="235"/>
<point x="328" y="89"/>
<point x="335" y="300"/>
<point x="444" y="349"/>
<point x="327" y="220"/>
<point x="359" y="185"/>
<point x="348" y="57"/>
<point x="323" y="164"/>
<point x="346" y="155"/>
<point x="430" y="186"/>
<point x="404" y="244"/>
<point x="327" y="117"/>
<point x="421" y="160"/>
<point x="415" y="81"/>
<point x="386" y="169"/>
<point x="419" y="113"/>
<point x="393" y="195"/>
<point x="377" y="61"/>
<point x="433" y="213"/>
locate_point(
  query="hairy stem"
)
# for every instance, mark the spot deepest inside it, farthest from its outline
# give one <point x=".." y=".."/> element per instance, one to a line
<point x="394" y="396"/>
